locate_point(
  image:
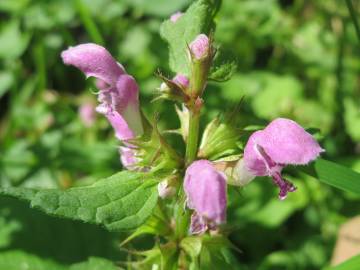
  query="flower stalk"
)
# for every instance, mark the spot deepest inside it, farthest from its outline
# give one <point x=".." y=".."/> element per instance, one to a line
<point x="193" y="136"/>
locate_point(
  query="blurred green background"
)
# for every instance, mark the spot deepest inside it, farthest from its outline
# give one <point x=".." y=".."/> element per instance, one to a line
<point x="296" y="58"/>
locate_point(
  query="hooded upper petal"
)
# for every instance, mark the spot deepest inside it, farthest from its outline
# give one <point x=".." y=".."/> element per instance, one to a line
<point x="282" y="142"/>
<point x="205" y="188"/>
<point x="119" y="91"/>
<point x="94" y="61"/>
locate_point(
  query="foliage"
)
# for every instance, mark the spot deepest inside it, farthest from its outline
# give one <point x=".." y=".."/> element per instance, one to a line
<point x="296" y="59"/>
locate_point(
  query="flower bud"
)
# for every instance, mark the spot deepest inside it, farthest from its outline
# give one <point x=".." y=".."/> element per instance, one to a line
<point x="184" y="116"/>
<point x="177" y="15"/>
<point x="128" y="157"/>
<point x="174" y="89"/>
<point x="205" y="188"/>
<point x="200" y="47"/>
<point x="165" y="189"/>
<point x="181" y="80"/>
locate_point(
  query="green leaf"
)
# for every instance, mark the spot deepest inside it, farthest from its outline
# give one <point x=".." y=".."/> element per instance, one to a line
<point x="197" y="19"/>
<point x="223" y="72"/>
<point x="192" y="246"/>
<point x="336" y="175"/>
<point x="121" y="202"/>
<point x="62" y="240"/>
<point x="94" y="264"/>
<point x="13" y="42"/>
<point x="158" y="7"/>
<point x="351" y="264"/>
<point x="18" y="260"/>
<point x="6" y="81"/>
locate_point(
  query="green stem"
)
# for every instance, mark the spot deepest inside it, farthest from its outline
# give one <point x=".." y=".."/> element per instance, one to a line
<point x="353" y="17"/>
<point x="193" y="136"/>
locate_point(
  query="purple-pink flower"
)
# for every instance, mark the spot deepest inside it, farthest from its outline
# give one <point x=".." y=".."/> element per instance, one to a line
<point x="200" y="47"/>
<point x="119" y="92"/>
<point x="205" y="189"/>
<point x="283" y="142"/>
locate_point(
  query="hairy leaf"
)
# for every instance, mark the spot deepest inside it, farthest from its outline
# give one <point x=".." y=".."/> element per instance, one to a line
<point x="121" y="202"/>
<point x="197" y="19"/>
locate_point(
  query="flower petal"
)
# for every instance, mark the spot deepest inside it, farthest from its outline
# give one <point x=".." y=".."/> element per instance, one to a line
<point x="286" y="142"/>
<point x="94" y="61"/>
<point x="122" y="129"/>
<point x="205" y="189"/>
<point x="282" y="142"/>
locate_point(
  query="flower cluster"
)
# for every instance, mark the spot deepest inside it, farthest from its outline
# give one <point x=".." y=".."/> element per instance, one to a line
<point x="283" y="142"/>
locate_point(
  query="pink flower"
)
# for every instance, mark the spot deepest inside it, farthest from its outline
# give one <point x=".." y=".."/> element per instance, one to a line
<point x="283" y="142"/>
<point x="205" y="188"/>
<point x="200" y="46"/>
<point x="119" y="92"/>
<point x="181" y="80"/>
<point x="174" y="17"/>
<point x="87" y="114"/>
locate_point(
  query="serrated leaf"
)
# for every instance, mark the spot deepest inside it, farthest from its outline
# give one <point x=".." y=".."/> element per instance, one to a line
<point x="335" y="175"/>
<point x="121" y="202"/>
<point x="197" y="19"/>
<point x="223" y="72"/>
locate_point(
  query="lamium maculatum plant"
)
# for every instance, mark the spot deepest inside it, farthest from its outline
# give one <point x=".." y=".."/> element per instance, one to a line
<point x="179" y="198"/>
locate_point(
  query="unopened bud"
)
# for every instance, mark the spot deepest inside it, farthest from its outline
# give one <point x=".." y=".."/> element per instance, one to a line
<point x="181" y="80"/>
<point x="200" y="47"/>
<point x="174" y="17"/>
<point x="166" y="190"/>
